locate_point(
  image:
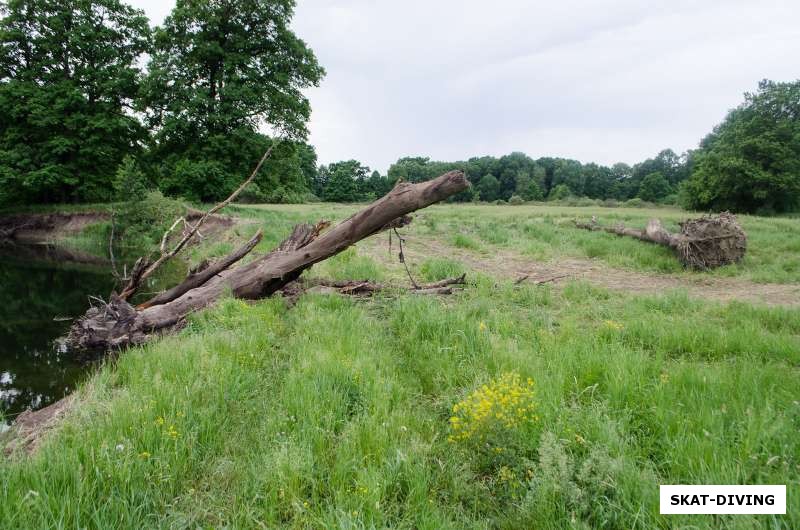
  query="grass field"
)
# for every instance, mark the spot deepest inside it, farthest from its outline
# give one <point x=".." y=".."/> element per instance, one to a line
<point x="406" y="411"/>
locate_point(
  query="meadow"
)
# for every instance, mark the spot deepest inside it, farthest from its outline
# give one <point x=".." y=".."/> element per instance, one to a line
<point x="508" y="405"/>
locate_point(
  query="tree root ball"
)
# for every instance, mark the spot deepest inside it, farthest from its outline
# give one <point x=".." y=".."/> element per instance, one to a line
<point x="711" y="241"/>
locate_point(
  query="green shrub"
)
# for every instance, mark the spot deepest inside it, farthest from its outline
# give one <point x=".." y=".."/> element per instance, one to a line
<point x="130" y="182"/>
<point x="435" y="269"/>
<point x="463" y="241"/>
<point x="516" y="200"/>
<point x="251" y="194"/>
<point x="143" y="222"/>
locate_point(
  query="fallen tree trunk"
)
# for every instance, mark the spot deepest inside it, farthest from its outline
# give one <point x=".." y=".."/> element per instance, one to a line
<point x="117" y="323"/>
<point x="294" y="290"/>
<point x="201" y="274"/>
<point x="703" y="243"/>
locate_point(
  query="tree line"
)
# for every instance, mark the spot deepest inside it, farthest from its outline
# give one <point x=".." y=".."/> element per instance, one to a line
<point x="515" y="175"/>
<point x="97" y="105"/>
<point x="748" y="163"/>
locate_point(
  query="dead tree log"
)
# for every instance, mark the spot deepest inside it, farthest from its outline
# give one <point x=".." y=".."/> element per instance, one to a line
<point x="117" y="323"/>
<point x="703" y="243"/>
<point x="202" y="273"/>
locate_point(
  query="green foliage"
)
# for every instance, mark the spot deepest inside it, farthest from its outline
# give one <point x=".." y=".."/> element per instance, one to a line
<point x="68" y="77"/>
<point x="142" y="222"/>
<point x="751" y="161"/>
<point x="654" y="187"/>
<point x="130" y="182"/>
<point x="488" y="188"/>
<point x="516" y="200"/>
<point x="435" y="269"/>
<point x="346" y="182"/>
<point x="464" y="241"/>
<point x="251" y="194"/>
<point x="561" y="191"/>
<point x="213" y="70"/>
<point x="209" y="172"/>
<point x="213" y="82"/>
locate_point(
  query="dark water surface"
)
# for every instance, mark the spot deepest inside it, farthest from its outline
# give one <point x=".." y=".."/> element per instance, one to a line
<point x="41" y="288"/>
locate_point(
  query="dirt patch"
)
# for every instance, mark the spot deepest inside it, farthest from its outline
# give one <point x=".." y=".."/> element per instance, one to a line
<point x="213" y="225"/>
<point x="30" y="426"/>
<point x="511" y="266"/>
<point x="47" y="226"/>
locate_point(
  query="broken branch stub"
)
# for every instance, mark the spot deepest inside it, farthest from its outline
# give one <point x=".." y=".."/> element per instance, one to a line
<point x="119" y="324"/>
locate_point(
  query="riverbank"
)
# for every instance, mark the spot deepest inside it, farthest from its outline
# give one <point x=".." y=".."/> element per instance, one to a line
<point x="338" y="412"/>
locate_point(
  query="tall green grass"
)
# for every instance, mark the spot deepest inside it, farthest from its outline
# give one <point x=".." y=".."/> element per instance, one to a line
<point x="335" y="414"/>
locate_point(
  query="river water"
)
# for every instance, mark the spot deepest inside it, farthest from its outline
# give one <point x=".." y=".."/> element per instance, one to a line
<point x="43" y="287"/>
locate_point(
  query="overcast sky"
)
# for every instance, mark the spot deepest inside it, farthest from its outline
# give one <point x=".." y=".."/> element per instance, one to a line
<point x="601" y="81"/>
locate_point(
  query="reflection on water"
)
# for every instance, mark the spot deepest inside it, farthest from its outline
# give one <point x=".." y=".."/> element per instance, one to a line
<point x="41" y="289"/>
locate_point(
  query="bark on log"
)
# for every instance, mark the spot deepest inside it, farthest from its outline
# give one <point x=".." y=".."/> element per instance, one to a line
<point x="117" y="323"/>
<point x="202" y="274"/>
<point x="703" y="243"/>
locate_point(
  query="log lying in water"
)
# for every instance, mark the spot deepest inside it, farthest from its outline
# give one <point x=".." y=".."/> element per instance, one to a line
<point x="117" y="323"/>
<point x="703" y="243"/>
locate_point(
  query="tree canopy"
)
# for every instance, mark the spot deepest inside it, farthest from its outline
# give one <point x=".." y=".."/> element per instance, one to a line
<point x="68" y="83"/>
<point x="80" y="117"/>
<point x="218" y="72"/>
<point x="751" y="161"/>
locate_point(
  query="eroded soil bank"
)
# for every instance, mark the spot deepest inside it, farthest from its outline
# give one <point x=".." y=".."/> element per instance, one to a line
<point x="33" y="227"/>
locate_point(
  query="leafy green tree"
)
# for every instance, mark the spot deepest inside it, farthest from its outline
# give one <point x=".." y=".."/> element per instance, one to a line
<point x="559" y="192"/>
<point x="130" y="182"/>
<point x="219" y="71"/>
<point x="68" y="81"/>
<point x="654" y="187"/>
<point x="569" y="173"/>
<point x="527" y="188"/>
<point x="751" y="161"/>
<point x="344" y="181"/>
<point x="489" y="188"/>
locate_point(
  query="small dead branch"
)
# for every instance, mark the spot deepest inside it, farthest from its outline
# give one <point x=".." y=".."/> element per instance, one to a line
<point x="114" y="270"/>
<point x="368" y="288"/>
<point x="202" y="273"/>
<point x="402" y="257"/>
<point x="135" y="281"/>
<point x="703" y="243"/>
<point x="522" y="279"/>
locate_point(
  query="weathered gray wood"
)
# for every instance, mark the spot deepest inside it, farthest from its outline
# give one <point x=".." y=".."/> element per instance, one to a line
<point x="119" y="324"/>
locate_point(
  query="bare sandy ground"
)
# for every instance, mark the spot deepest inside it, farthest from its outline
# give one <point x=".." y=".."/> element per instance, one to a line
<point x="506" y="264"/>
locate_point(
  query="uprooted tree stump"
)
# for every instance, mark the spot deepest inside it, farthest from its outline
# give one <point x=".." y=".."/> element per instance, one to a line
<point x="704" y="243"/>
<point x="117" y="323"/>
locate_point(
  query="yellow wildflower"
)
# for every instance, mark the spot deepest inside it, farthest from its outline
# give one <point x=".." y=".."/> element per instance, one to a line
<point x="504" y="403"/>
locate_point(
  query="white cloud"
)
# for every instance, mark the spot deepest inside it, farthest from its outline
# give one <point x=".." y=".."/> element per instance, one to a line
<point x="595" y="80"/>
